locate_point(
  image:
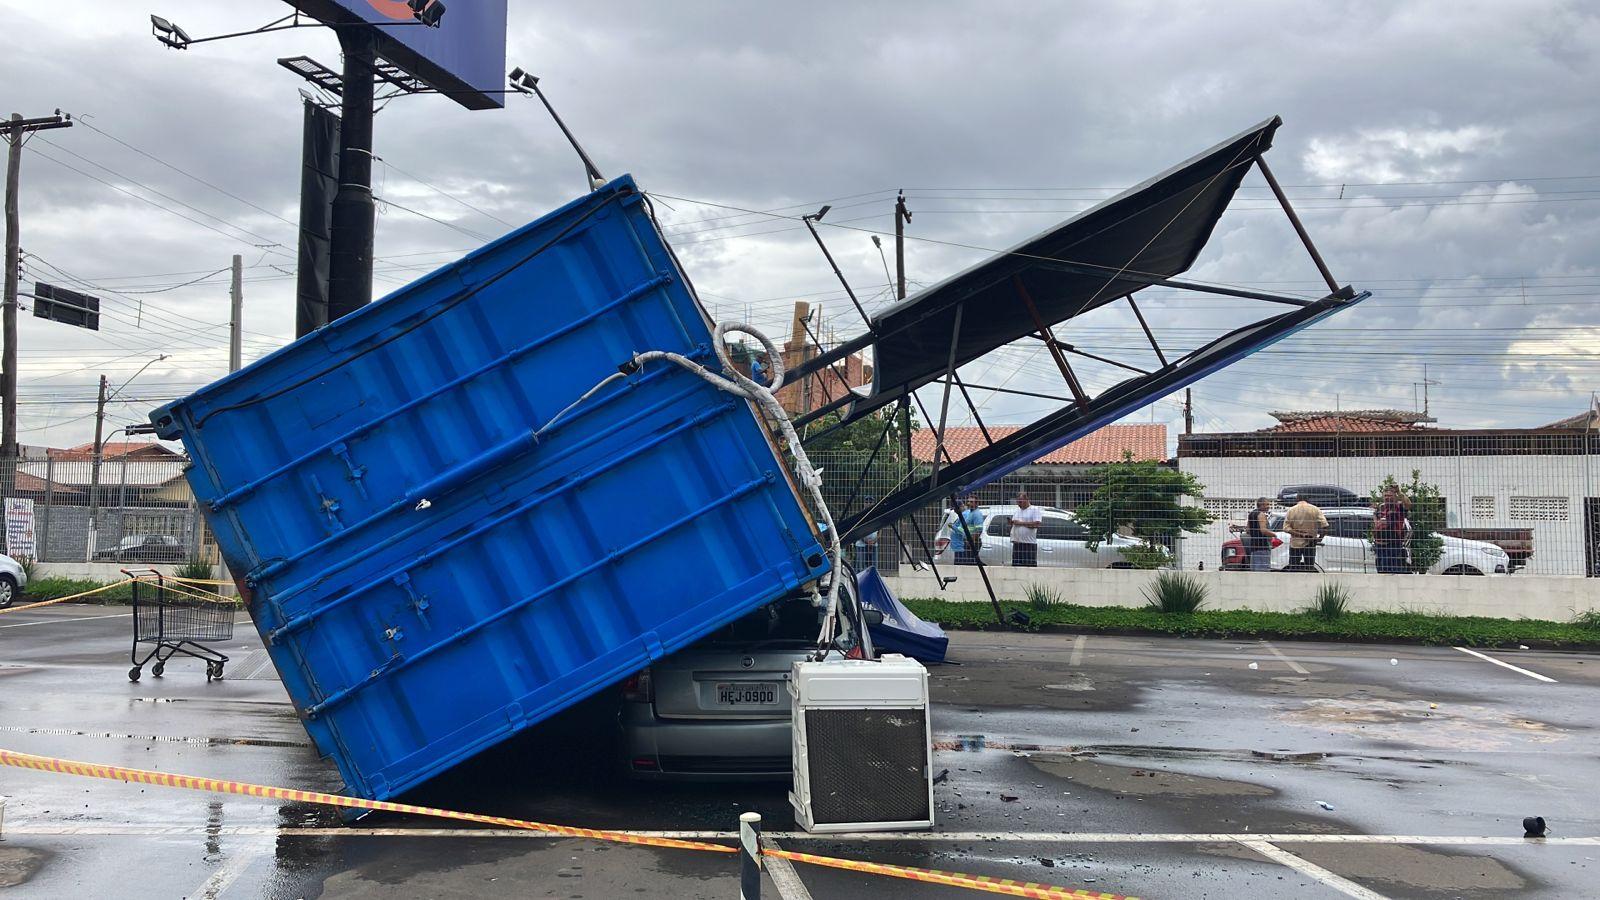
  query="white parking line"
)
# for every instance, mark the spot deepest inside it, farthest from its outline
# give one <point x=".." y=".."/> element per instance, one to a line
<point x="1291" y="663"/>
<point x="1487" y="658"/>
<point x="784" y="877"/>
<point x="58" y="620"/>
<point x="44" y="829"/>
<point x="227" y="873"/>
<point x="1310" y="869"/>
<point x="1077" y="650"/>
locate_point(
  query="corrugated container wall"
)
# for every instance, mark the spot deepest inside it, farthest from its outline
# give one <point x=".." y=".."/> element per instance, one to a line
<point x="428" y="576"/>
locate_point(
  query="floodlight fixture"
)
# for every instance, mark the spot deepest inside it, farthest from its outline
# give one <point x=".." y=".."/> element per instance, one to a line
<point x="523" y="82"/>
<point x="169" y="33"/>
<point x="428" y="12"/>
<point x="817" y="216"/>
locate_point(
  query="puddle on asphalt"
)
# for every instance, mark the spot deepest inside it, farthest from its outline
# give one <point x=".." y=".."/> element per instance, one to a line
<point x="18" y="864"/>
<point x="1420" y="723"/>
<point x="1092" y="773"/>
<point x="1419" y="867"/>
<point x="1077" y="682"/>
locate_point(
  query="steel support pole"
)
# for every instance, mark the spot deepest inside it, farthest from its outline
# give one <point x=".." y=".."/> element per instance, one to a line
<point x="236" y="319"/>
<point x="354" y="216"/>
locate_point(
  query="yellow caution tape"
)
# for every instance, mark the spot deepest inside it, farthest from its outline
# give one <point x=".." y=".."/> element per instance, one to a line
<point x="188" y="782"/>
<point x="200" y="594"/>
<point x="950" y="879"/>
<point x="101" y="588"/>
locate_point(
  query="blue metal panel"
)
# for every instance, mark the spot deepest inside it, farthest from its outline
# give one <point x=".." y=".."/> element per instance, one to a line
<point x="428" y="576"/>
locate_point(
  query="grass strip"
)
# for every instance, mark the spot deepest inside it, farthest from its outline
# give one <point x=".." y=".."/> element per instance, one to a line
<point x="1398" y="627"/>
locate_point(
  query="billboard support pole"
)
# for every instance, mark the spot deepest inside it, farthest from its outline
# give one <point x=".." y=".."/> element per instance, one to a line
<point x="350" y="257"/>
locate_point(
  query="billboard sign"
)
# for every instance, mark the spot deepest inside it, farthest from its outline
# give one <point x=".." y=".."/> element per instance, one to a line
<point x="462" y="57"/>
<point x="21" y="542"/>
<point x="68" y="307"/>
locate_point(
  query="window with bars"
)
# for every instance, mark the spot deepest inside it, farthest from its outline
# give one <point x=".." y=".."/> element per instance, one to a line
<point x="1539" y="509"/>
<point x="155" y="523"/>
<point x="1483" y="508"/>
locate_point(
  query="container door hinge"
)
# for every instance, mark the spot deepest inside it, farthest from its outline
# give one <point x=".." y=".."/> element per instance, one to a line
<point x="419" y="600"/>
<point x="652" y="645"/>
<point x="327" y="505"/>
<point x="357" y="472"/>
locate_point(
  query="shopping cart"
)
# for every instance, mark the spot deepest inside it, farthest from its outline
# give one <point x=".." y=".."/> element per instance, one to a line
<point x="175" y="620"/>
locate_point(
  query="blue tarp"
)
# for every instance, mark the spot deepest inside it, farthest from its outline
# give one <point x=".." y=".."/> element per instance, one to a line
<point x="901" y="631"/>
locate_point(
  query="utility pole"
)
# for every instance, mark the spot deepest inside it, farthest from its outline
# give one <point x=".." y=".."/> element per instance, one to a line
<point x="94" y="471"/>
<point x="236" y="321"/>
<point x="901" y="217"/>
<point x="1188" y="411"/>
<point x="15" y="129"/>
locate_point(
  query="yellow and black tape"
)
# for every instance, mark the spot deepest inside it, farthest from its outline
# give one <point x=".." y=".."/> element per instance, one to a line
<point x="81" y="594"/>
<point x="188" y="782"/>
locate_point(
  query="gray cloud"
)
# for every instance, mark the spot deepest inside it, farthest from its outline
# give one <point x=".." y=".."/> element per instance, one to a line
<point x="767" y="106"/>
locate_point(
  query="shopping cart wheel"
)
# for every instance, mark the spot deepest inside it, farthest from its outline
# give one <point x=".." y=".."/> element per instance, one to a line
<point x="133" y="674"/>
<point x="158" y="668"/>
<point x="214" y="671"/>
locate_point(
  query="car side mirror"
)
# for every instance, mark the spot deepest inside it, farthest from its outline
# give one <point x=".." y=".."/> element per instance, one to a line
<point x="872" y="616"/>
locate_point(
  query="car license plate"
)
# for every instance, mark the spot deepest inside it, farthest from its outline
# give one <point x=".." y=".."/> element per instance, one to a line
<point x="747" y="693"/>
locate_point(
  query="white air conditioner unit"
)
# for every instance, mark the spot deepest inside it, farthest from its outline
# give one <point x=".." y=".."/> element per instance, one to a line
<point x="862" y="745"/>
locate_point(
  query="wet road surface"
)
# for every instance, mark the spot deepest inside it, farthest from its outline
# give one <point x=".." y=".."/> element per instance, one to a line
<point x="1149" y="767"/>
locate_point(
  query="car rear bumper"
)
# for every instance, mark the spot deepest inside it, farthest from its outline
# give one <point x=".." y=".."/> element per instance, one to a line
<point x="703" y="749"/>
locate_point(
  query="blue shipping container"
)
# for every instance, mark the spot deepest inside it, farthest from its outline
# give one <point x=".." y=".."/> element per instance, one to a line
<point x="430" y="578"/>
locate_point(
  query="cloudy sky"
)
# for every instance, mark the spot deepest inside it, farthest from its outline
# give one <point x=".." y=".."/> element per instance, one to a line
<point x="1443" y="156"/>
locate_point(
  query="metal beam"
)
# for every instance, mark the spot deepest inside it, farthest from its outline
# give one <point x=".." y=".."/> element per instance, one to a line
<point x="1148" y="333"/>
<point x="1049" y="341"/>
<point x="1157" y="281"/>
<point x="1283" y="201"/>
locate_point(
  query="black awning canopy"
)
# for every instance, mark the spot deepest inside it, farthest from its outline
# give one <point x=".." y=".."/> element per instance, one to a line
<point x="1144" y="236"/>
<point x="1154" y="230"/>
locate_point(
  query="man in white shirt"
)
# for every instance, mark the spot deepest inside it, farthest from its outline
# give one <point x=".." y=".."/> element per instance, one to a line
<point x="1025" y="532"/>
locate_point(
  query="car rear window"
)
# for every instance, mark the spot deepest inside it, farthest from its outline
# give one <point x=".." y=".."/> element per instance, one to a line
<point x="790" y="619"/>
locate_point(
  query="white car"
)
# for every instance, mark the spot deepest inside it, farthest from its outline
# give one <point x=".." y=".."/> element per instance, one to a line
<point x="12" y="580"/>
<point x="1063" y="542"/>
<point x="1347" y="547"/>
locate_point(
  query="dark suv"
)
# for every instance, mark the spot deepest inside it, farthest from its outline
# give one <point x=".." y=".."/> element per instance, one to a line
<point x="1323" y="496"/>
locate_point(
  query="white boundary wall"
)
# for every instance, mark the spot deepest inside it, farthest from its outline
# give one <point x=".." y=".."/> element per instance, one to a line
<point x="1518" y="596"/>
<point x="1557" y="535"/>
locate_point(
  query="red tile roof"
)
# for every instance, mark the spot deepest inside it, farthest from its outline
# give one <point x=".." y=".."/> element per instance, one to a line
<point x="116" y="449"/>
<point x="1338" y="423"/>
<point x="1146" y="442"/>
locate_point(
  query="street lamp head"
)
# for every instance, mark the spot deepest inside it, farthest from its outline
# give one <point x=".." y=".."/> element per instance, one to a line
<point x="428" y="12"/>
<point x="817" y="216"/>
<point x="521" y="81"/>
<point x="169" y="33"/>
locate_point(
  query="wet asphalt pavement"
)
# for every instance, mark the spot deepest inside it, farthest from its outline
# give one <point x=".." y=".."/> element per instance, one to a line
<point x="1150" y="767"/>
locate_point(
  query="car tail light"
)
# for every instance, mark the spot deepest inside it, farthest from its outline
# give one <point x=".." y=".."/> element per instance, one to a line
<point x="644" y="764"/>
<point x="1277" y="542"/>
<point x="638" y="687"/>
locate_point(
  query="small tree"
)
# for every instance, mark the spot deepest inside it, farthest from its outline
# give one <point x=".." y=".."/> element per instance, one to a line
<point x="1427" y="516"/>
<point x="1145" y="496"/>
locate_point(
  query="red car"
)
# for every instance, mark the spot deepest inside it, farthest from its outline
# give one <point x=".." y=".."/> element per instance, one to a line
<point x="1235" y="559"/>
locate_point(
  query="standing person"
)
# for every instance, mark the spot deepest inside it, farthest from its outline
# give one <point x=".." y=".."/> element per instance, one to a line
<point x="1305" y="524"/>
<point x="1389" y="531"/>
<point x="1025" y="532"/>
<point x="1258" y="537"/>
<point x="969" y="528"/>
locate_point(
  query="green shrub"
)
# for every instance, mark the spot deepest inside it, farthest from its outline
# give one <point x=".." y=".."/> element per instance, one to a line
<point x="1175" y="592"/>
<point x="1042" y="597"/>
<point x="50" y="588"/>
<point x="30" y="567"/>
<point x="1146" y="556"/>
<point x="1589" y="619"/>
<point x="196" y="568"/>
<point x="1329" y="602"/>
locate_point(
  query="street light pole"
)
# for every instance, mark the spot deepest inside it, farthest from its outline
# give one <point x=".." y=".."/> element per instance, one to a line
<point x="99" y="455"/>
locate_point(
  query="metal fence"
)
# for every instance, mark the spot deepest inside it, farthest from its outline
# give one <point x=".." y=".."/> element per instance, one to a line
<point x="123" y="510"/>
<point x="1481" y="502"/>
